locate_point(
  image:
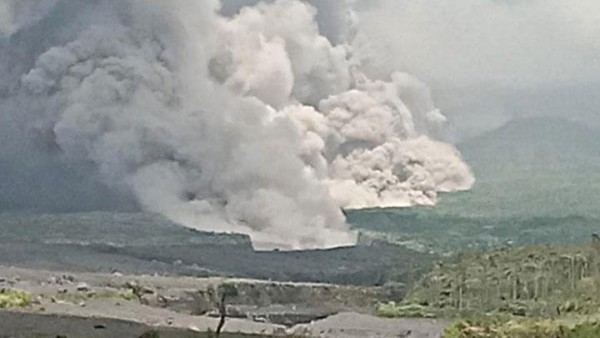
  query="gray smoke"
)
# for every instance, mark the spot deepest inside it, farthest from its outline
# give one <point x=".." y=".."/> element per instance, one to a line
<point x="253" y="123"/>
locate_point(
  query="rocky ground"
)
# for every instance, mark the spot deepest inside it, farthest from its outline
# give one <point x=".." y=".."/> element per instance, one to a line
<point x="116" y="305"/>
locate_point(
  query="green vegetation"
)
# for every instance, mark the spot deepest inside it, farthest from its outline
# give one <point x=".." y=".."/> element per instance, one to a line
<point x="76" y="297"/>
<point x="526" y="292"/>
<point x="14" y="299"/>
<point x="544" y="281"/>
<point x="537" y="291"/>
<point x="443" y="232"/>
<point x="507" y="327"/>
<point x="393" y="310"/>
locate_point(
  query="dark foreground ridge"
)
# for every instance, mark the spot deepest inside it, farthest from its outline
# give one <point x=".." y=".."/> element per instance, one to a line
<point x="149" y="244"/>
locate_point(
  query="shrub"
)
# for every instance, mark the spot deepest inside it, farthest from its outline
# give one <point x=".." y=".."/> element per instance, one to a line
<point x="393" y="310"/>
<point x="14" y="299"/>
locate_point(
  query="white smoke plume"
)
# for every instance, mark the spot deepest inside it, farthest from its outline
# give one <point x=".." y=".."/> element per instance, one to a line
<point x="254" y="123"/>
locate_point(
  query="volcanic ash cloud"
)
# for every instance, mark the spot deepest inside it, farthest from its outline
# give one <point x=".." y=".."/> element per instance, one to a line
<point x="254" y="123"/>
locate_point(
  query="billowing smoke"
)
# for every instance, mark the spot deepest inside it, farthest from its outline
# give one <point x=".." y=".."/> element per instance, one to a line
<point x="254" y="123"/>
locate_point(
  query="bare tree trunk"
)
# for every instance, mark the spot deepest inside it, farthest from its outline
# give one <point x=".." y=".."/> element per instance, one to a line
<point x="223" y="310"/>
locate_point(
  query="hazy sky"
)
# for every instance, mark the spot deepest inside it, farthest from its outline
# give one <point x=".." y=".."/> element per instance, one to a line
<point x="490" y="60"/>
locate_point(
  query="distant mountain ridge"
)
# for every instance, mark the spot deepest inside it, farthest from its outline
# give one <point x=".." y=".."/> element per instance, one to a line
<point x="537" y="182"/>
<point x="535" y="167"/>
<point x="547" y="144"/>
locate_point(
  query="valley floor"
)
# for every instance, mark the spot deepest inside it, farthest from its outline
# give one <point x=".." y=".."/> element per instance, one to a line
<point x="113" y="305"/>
